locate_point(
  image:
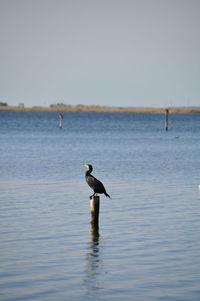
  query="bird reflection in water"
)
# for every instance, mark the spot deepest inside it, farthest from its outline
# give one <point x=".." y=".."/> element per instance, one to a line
<point x="93" y="265"/>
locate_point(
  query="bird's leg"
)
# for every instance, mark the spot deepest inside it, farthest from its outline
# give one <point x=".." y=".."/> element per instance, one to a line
<point x="92" y="195"/>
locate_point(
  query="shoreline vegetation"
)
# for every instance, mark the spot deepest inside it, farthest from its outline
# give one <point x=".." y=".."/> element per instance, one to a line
<point x="103" y="109"/>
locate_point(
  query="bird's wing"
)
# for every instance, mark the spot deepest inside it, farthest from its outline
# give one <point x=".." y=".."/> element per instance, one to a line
<point x="95" y="184"/>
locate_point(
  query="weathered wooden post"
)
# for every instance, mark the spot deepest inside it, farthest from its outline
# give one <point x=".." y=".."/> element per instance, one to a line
<point x="61" y="120"/>
<point x="94" y="209"/>
<point x="166" y="119"/>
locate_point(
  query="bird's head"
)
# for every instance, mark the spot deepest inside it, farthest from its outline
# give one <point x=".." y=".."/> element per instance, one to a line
<point x="89" y="166"/>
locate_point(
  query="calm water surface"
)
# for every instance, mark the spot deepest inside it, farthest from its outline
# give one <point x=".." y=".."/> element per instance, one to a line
<point x="149" y="243"/>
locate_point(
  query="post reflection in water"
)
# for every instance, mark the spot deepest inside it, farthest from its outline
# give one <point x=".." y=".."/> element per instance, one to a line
<point x="94" y="265"/>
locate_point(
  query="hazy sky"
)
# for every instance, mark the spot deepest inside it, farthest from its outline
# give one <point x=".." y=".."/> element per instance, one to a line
<point x="106" y="52"/>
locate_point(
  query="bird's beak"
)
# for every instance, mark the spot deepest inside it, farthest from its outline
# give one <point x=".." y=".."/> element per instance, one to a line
<point x="85" y="165"/>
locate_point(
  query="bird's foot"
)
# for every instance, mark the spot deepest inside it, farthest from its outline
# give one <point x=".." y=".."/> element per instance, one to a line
<point x="93" y="195"/>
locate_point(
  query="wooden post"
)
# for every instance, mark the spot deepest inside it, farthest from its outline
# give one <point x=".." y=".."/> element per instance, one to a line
<point x="60" y="120"/>
<point x="94" y="209"/>
<point x="166" y="119"/>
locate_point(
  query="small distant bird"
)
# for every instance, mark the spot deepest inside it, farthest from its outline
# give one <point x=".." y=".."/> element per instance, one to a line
<point x="95" y="184"/>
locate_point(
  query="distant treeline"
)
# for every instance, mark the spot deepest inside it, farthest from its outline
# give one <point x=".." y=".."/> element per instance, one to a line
<point x="3" y="104"/>
<point x="60" y="107"/>
<point x="78" y="107"/>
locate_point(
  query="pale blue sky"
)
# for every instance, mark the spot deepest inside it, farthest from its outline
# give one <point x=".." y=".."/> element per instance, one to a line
<point x="106" y="52"/>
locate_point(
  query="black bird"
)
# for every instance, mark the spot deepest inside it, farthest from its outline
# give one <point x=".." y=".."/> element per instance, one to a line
<point x="95" y="184"/>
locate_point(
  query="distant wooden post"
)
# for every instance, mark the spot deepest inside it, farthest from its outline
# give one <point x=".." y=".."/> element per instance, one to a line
<point x="166" y="119"/>
<point x="94" y="209"/>
<point x="61" y="120"/>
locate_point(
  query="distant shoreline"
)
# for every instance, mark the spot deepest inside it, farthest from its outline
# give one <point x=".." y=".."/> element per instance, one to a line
<point x="101" y="109"/>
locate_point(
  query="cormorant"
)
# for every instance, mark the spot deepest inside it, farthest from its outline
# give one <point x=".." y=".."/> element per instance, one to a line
<point x="95" y="184"/>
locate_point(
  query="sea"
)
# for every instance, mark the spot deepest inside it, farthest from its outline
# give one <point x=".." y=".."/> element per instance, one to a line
<point x="148" y="247"/>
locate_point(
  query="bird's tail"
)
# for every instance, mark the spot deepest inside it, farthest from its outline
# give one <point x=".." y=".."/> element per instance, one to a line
<point x="106" y="194"/>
